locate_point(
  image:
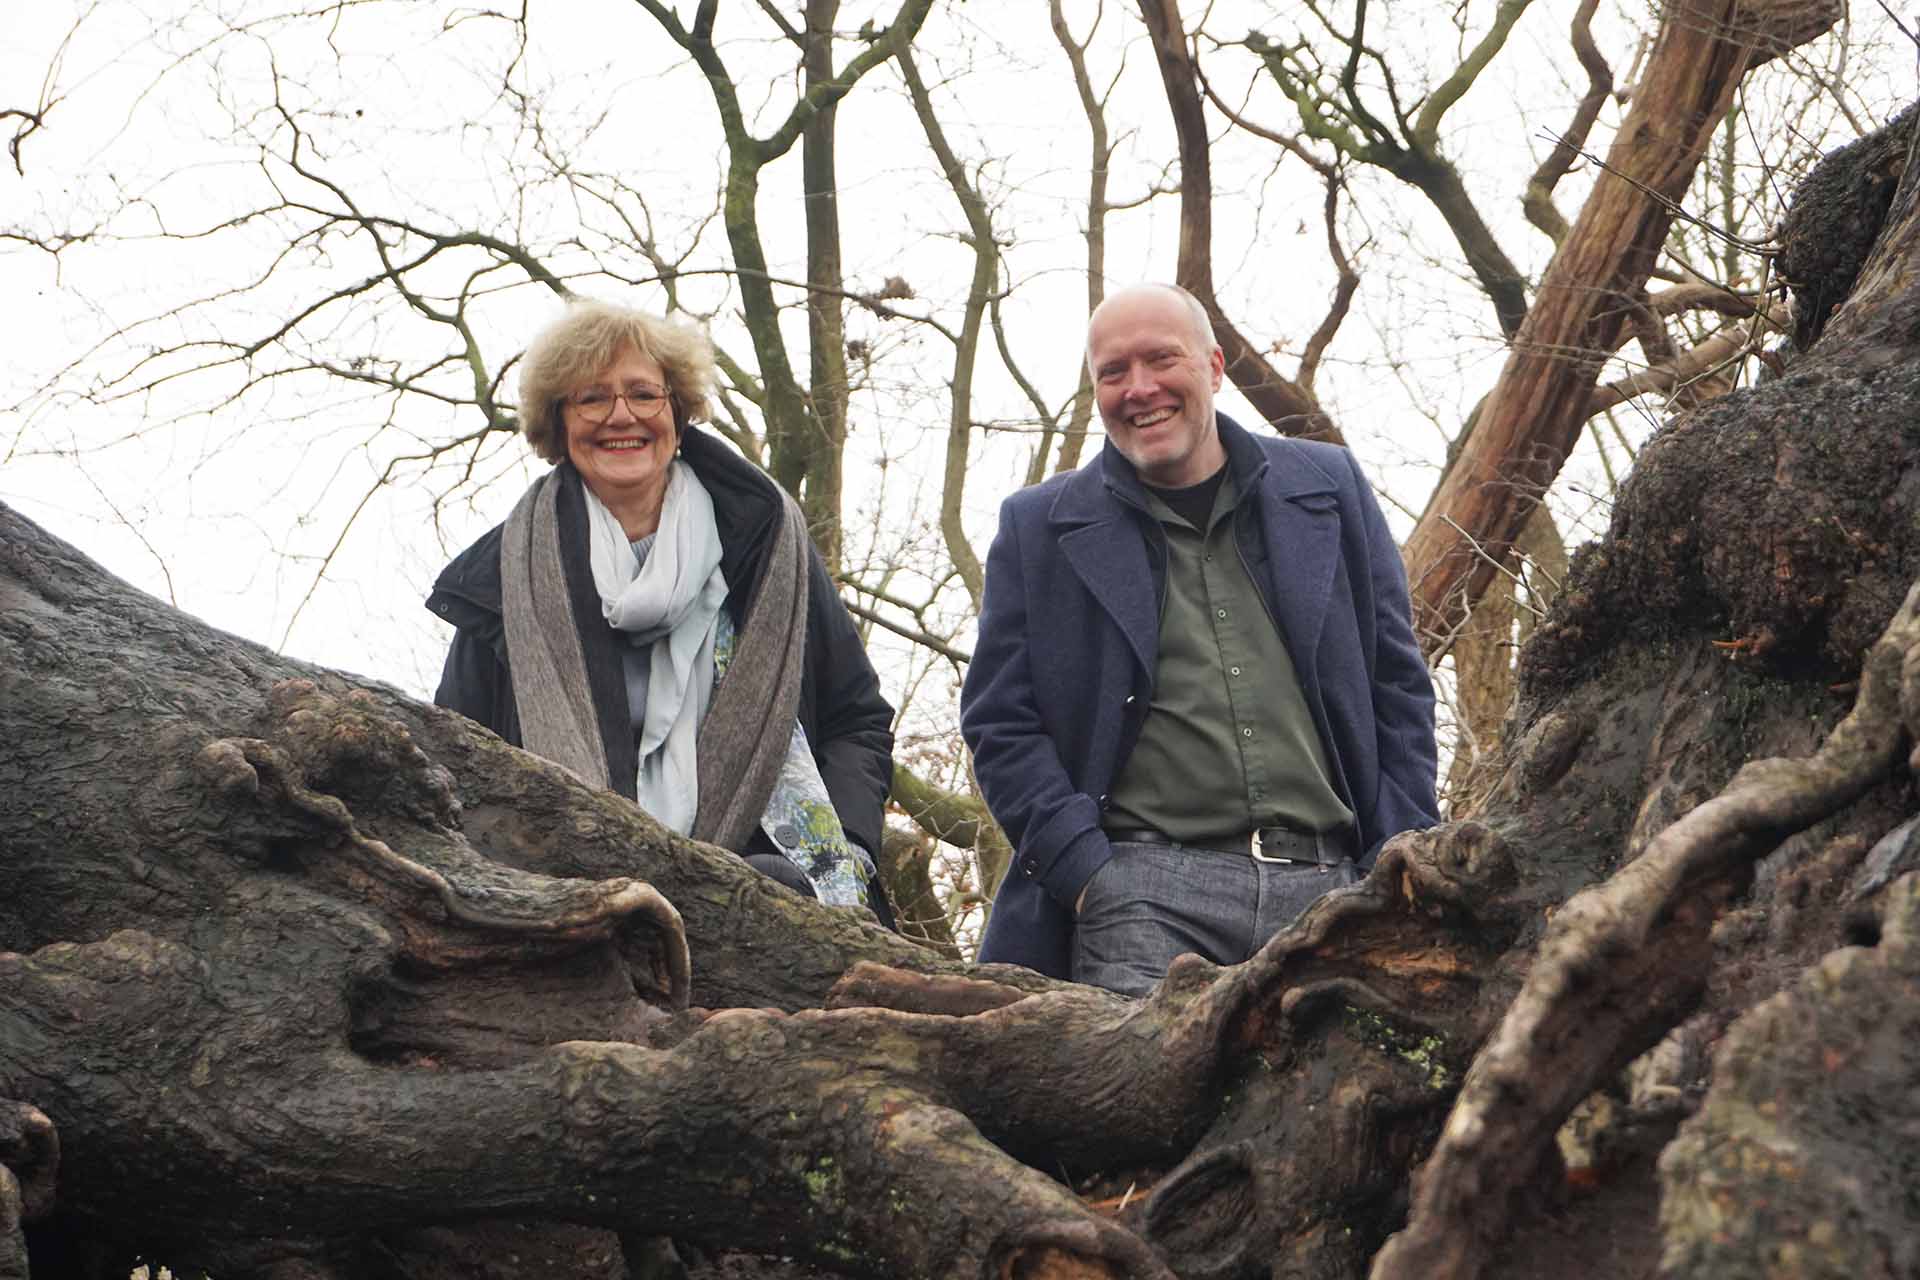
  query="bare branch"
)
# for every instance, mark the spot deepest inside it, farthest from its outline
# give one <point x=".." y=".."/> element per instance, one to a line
<point x="1538" y="200"/>
<point x="1348" y="285"/>
<point x="986" y="272"/>
<point x="959" y="657"/>
<point x="1426" y="128"/>
<point x="1287" y="406"/>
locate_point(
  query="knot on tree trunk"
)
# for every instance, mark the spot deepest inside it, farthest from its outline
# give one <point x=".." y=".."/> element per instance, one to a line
<point x="1778" y="521"/>
<point x="349" y="747"/>
<point x="452" y="907"/>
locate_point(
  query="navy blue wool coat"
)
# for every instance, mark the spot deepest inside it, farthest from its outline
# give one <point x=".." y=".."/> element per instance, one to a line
<point x="1061" y="678"/>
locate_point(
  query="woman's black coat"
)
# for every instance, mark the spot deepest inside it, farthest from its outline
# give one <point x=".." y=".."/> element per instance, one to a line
<point x="848" y="722"/>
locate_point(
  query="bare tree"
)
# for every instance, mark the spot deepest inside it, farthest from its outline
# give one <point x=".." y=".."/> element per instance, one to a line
<point x="805" y="427"/>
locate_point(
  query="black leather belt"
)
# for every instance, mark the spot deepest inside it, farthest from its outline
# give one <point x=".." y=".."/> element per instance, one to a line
<point x="1268" y="844"/>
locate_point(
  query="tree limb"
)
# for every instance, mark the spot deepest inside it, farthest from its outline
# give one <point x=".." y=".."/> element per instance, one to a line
<point x="1289" y="408"/>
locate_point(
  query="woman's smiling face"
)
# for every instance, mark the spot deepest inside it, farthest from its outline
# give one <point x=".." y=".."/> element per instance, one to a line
<point x="624" y="456"/>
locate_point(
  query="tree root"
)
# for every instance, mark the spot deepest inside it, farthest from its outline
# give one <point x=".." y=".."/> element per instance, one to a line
<point x="347" y="976"/>
<point x="374" y="1003"/>
<point x="846" y="1124"/>
<point x="1408" y="952"/>
<point x="1622" y="962"/>
<point x="869" y="985"/>
<point x="828" y="1136"/>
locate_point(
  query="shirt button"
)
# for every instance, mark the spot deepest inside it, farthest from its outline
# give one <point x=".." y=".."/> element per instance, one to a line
<point x="1233" y="671"/>
<point x="1221" y="612"/>
<point x="1247" y="732"/>
<point x="787" y="835"/>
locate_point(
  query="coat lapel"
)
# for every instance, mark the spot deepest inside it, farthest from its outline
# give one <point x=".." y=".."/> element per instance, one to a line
<point x="1300" y="519"/>
<point x="1106" y="549"/>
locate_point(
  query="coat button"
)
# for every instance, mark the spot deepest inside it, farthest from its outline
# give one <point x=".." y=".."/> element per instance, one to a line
<point x="1104" y="801"/>
<point x="1130" y="701"/>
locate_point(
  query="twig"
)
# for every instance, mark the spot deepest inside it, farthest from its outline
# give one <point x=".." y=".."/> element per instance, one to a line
<point x="1894" y="18"/>
<point x="1671" y="206"/>
<point x="959" y="657"/>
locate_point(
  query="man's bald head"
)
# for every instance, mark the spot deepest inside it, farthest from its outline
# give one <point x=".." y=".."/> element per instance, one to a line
<point x="1155" y="368"/>
<point x="1196" y="310"/>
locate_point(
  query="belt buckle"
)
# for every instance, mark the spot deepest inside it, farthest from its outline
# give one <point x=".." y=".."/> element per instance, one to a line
<point x="1255" y="848"/>
<point x="1259" y="856"/>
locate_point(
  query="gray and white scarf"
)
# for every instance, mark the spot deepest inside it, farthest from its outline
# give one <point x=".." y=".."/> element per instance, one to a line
<point x="671" y="601"/>
<point x="737" y="732"/>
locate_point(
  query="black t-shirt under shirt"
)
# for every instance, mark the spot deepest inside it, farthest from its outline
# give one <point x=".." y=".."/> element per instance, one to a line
<point x="1194" y="504"/>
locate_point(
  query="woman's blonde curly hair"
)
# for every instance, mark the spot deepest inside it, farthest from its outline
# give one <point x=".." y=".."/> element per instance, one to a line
<point x="574" y="350"/>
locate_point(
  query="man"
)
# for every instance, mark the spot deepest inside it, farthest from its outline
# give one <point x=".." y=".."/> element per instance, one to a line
<point x="1196" y="703"/>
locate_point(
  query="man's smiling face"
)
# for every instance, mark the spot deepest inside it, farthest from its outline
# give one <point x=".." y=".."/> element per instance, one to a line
<point x="1154" y="375"/>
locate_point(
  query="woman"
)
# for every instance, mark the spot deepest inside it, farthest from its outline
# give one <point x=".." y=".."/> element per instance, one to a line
<point x="653" y="616"/>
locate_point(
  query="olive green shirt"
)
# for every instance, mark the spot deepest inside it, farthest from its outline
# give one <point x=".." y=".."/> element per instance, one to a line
<point x="1229" y="743"/>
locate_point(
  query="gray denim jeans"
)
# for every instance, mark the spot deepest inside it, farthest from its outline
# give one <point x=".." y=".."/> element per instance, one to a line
<point x="1152" y="902"/>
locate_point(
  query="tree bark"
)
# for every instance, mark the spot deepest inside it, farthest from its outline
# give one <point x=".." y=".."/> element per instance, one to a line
<point x="828" y="391"/>
<point x="29" y="1168"/>
<point x="303" y="914"/>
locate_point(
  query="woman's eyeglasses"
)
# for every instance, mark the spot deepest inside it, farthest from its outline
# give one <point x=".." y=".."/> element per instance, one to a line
<point x="595" y="404"/>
